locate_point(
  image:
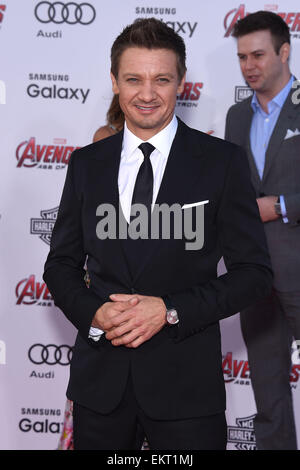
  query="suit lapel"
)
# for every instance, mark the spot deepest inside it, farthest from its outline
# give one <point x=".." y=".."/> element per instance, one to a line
<point x="253" y="168"/>
<point x="108" y="160"/>
<point x="287" y="115"/>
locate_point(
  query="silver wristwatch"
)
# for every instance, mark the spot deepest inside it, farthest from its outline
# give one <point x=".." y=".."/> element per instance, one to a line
<point x="171" y="312"/>
<point x="172" y="316"/>
<point x="277" y="207"/>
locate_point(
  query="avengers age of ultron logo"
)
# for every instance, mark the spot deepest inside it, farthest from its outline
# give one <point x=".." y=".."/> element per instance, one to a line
<point x="237" y="371"/>
<point x="29" y="292"/>
<point x="292" y="19"/>
<point x="294" y="375"/>
<point x="2" y="10"/>
<point x="44" y="156"/>
<point x="190" y="96"/>
<point x="295" y="370"/>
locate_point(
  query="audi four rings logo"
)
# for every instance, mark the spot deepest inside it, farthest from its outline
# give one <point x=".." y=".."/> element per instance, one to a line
<point x="70" y="13"/>
<point x="50" y="354"/>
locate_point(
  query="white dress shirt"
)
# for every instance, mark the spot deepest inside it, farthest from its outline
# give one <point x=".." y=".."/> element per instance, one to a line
<point x="131" y="159"/>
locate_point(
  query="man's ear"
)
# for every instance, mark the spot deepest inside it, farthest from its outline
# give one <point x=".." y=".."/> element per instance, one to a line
<point x="284" y="52"/>
<point x="181" y="85"/>
<point x="115" y="87"/>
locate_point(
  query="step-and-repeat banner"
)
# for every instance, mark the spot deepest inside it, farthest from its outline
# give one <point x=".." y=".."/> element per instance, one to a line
<point x="54" y="93"/>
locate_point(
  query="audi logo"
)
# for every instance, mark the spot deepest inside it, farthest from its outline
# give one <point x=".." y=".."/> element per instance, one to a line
<point x="70" y="13"/>
<point x="50" y="354"/>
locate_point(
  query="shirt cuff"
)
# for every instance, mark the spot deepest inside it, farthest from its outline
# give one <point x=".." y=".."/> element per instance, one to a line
<point x="283" y="210"/>
<point x="95" y="333"/>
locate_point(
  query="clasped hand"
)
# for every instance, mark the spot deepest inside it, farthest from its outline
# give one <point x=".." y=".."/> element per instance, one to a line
<point x="130" y="320"/>
<point x="266" y="208"/>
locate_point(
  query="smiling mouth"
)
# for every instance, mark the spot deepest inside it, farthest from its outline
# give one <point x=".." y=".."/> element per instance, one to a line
<point x="146" y="108"/>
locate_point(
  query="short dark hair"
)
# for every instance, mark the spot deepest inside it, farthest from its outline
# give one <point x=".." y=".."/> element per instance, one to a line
<point x="151" y="34"/>
<point x="261" y="21"/>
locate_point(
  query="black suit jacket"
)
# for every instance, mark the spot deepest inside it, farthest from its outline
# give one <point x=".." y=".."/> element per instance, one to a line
<point x="177" y="374"/>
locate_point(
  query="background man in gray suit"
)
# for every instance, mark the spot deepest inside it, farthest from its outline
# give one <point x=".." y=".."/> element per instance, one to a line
<point x="267" y="125"/>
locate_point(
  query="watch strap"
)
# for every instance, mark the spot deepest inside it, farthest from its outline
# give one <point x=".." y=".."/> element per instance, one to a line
<point x="167" y="302"/>
<point x="277" y="206"/>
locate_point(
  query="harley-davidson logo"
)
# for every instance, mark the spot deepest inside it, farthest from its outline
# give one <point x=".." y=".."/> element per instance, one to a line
<point x="44" y="226"/>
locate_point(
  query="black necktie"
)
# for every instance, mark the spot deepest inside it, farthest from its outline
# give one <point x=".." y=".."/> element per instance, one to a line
<point x="142" y="194"/>
<point x="143" y="189"/>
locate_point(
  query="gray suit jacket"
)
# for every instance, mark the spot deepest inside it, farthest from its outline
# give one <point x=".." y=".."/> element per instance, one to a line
<point x="281" y="176"/>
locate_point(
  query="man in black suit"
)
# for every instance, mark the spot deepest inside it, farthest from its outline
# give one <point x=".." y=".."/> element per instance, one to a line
<point x="148" y="350"/>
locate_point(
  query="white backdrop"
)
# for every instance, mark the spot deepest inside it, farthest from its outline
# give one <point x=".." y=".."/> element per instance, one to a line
<point x="54" y="93"/>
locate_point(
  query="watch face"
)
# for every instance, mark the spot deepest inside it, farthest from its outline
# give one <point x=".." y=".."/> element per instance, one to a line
<point x="172" y="317"/>
<point x="278" y="208"/>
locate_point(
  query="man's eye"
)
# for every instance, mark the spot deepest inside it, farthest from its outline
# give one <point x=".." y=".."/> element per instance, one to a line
<point x="163" y="79"/>
<point x="132" y="79"/>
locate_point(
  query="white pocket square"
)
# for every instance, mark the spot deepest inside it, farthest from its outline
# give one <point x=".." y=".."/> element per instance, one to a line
<point x="290" y="133"/>
<point x="194" y="204"/>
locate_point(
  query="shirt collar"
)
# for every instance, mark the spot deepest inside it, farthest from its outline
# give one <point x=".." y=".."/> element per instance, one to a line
<point x="278" y="100"/>
<point x="162" y="141"/>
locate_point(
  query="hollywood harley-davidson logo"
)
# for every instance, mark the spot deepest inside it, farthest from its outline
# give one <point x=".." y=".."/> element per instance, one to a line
<point x="44" y="226"/>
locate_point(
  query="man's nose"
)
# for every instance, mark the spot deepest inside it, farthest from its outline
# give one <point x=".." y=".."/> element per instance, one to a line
<point x="147" y="91"/>
<point x="249" y="63"/>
